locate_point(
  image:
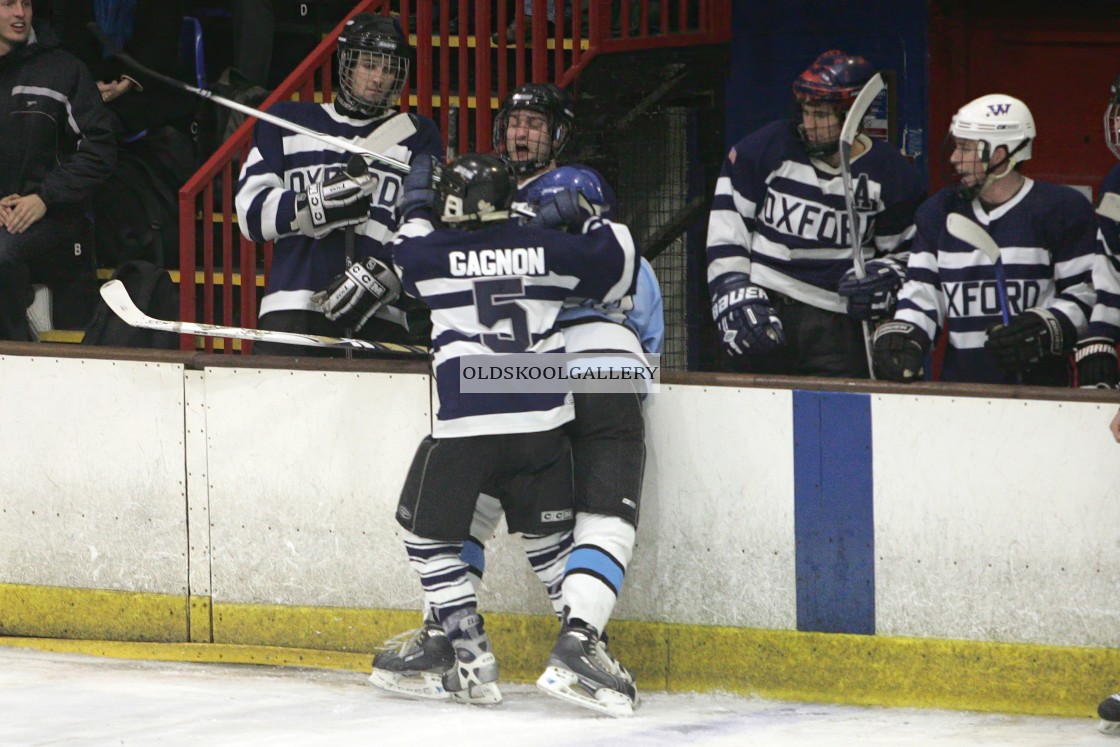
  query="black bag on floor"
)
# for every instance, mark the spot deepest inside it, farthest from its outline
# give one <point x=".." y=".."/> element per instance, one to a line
<point x="153" y="292"/>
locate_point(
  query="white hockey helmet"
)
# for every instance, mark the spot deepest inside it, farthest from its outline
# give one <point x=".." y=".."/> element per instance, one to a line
<point x="996" y="119"/>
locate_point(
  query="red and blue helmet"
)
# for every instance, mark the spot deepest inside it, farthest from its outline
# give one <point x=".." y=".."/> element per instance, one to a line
<point x="834" y="77"/>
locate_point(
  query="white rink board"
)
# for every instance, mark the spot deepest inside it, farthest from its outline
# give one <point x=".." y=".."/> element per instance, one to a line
<point x="92" y="479"/>
<point x="304" y="471"/>
<point x="996" y="520"/>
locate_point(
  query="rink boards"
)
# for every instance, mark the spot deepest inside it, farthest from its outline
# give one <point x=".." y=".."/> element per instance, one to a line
<point x="859" y="544"/>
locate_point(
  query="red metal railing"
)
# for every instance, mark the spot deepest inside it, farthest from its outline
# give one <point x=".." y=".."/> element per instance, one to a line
<point x="462" y="70"/>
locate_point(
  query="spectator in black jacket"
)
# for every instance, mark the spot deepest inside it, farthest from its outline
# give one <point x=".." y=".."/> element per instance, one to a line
<point x="56" y="145"/>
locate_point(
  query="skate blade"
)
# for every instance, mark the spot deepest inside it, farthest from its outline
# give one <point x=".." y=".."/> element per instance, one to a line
<point x="1111" y="728"/>
<point x="423" y="686"/>
<point x="560" y="683"/>
<point x="486" y="694"/>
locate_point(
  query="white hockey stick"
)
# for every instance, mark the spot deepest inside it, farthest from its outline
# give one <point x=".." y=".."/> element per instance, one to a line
<point x="341" y="144"/>
<point x="852" y="122"/>
<point x="975" y="236"/>
<point x="117" y="298"/>
<point x="1110" y="206"/>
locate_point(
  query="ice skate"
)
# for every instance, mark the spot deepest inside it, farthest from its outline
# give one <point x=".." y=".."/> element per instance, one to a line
<point x="415" y="669"/>
<point x="1109" y="711"/>
<point x="473" y="674"/>
<point x="581" y="671"/>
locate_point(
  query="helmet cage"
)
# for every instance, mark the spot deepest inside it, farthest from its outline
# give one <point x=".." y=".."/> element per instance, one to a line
<point x="354" y="92"/>
<point x="835" y="80"/>
<point x="548" y="100"/>
<point x="1112" y="120"/>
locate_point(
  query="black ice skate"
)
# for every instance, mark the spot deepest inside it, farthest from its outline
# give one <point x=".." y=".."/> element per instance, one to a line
<point x="1109" y="711"/>
<point x="473" y="675"/>
<point x="416" y="668"/>
<point x="581" y="671"/>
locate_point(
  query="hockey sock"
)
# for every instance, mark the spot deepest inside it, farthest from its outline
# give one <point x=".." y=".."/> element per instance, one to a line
<point x="443" y="575"/>
<point x="548" y="555"/>
<point x="596" y="567"/>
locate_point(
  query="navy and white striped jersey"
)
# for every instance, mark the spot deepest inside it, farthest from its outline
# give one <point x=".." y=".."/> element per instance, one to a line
<point x="1105" y="320"/>
<point x="1046" y="237"/>
<point x="282" y="164"/>
<point x="499" y="289"/>
<point x="780" y="217"/>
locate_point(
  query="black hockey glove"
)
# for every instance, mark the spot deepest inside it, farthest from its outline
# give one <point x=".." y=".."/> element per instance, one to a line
<point x="355" y="295"/>
<point x="1029" y="337"/>
<point x="745" y="319"/>
<point x="567" y="209"/>
<point x="898" y="352"/>
<point x="1096" y="363"/>
<point x="342" y="200"/>
<point x="418" y="187"/>
<point x="872" y="297"/>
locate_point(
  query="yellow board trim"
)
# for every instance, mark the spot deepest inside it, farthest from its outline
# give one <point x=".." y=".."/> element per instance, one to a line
<point x="782" y="664"/>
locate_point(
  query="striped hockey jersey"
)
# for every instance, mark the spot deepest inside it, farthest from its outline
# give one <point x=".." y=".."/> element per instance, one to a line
<point x="499" y="289"/>
<point x="1105" y="320"/>
<point x="1046" y="237"/>
<point x="282" y="164"/>
<point x="780" y="217"/>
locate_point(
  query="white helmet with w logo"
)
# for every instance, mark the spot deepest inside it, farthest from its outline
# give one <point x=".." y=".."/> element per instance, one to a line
<point x="996" y="119"/>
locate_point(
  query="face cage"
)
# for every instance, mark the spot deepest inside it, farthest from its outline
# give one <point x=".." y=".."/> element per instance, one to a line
<point x="372" y="100"/>
<point x="820" y="141"/>
<point x="1112" y="127"/>
<point x="530" y="164"/>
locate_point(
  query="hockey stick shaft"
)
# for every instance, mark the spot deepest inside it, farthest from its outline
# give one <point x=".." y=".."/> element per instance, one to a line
<point x="117" y="298"/>
<point x="339" y="143"/>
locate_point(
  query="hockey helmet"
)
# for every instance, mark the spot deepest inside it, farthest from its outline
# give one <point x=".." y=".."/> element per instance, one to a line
<point x="549" y="100"/>
<point x="373" y="64"/>
<point x="1112" y="119"/>
<point x="834" y="77"/>
<point x="996" y="119"/>
<point x="474" y="189"/>
<point x="581" y="178"/>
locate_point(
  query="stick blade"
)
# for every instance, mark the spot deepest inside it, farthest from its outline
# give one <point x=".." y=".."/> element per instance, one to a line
<point x="117" y="299"/>
<point x="1110" y="206"/>
<point x="859" y="108"/>
<point x="971" y="233"/>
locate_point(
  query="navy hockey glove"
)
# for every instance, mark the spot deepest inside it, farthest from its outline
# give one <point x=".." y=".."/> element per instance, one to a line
<point x="355" y="295"/>
<point x="744" y="317"/>
<point x="1096" y="363"/>
<point x="342" y="200"/>
<point x="1029" y="337"/>
<point x="898" y="352"/>
<point x="418" y="187"/>
<point x="872" y="297"/>
<point x="567" y="209"/>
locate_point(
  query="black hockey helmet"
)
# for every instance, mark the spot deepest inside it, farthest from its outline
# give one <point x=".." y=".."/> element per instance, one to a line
<point x="834" y="77"/>
<point x="547" y="99"/>
<point x="373" y="64"/>
<point x="474" y="189"/>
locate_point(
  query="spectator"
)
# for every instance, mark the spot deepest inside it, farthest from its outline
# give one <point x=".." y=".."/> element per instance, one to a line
<point x="1046" y="237"/>
<point x="52" y="163"/>
<point x="284" y="171"/>
<point x="780" y="276"/>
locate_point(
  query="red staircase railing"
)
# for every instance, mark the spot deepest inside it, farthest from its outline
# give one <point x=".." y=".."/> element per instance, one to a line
<point x="463" y="73"/>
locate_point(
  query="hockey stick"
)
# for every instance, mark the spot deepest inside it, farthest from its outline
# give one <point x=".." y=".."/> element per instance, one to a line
<point x="117" y="298"/>
<point x="344" y="145"/>
<point x="972" y="234"/>
<point x="1110" y="206"/>
<point x="848" y="132"/>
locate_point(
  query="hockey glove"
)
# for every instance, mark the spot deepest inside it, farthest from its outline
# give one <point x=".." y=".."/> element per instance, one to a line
<point x="872" y="297"/>
<point x="418" y="188"/>
<point x="1029" y="337"/>
<point x="355" y="295"/>
<point x="567" y="209"/>
<point x="744" y="317"/>
<point x="898" y="352"/>
<point x="342" y="200"/>
<point x="1096" y="363"/>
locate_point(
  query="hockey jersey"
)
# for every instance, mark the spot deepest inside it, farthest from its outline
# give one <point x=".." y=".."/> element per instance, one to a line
<point x="282" y="164"/>
<point x="781" y="218"/>
<point x="499" y="289"/>
<point x="1105" y="320"/>
<point x="1046" y="237"/>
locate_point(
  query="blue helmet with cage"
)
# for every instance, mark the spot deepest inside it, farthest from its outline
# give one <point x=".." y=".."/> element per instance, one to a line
<point x="581" y="178"/>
